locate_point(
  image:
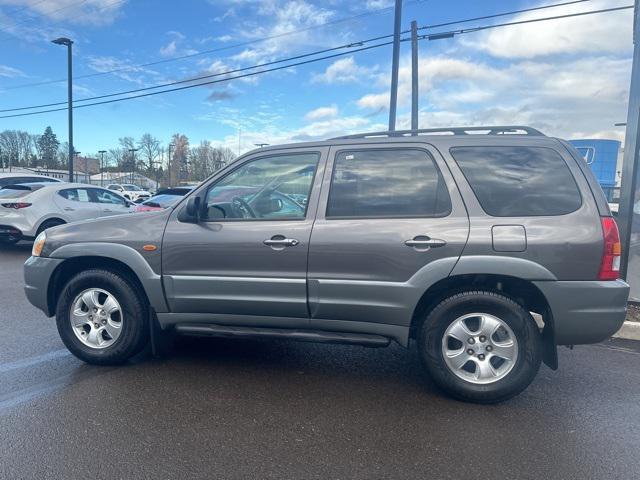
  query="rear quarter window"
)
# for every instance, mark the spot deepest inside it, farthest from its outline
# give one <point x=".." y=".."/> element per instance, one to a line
<point x="514" y="181"/>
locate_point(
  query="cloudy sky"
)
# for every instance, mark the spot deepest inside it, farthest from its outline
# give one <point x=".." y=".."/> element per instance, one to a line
<point x="568" y="77"/>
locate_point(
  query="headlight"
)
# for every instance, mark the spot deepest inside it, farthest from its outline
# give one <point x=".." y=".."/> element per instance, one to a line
<point x="38" y="244"/>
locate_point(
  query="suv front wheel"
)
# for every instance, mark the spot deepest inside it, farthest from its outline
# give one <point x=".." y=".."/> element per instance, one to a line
<point x="480" y="346"/>
<point x="102" y="318"/>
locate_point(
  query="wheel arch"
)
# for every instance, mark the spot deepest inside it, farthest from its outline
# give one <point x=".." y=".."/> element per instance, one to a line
<point x="114" y="257"/>
<point x="54" y="218"/>
<point x="522" y="291"/>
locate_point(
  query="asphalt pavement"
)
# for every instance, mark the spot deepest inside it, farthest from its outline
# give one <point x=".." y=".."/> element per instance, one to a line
<point x="276" y="409"/>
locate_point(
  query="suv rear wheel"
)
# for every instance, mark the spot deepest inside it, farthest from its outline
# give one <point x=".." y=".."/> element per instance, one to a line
<point x="480" y="346"/>
<point x="102" y="317"/>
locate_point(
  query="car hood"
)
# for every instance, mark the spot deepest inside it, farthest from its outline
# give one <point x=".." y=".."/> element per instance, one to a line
<point x="131" y="230"/>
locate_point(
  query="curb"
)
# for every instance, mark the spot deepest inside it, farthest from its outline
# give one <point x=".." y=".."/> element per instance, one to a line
<point x="629" y="330"/>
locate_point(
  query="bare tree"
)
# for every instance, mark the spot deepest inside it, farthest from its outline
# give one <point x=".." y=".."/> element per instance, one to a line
<point x="149" y="151"/>
<point x="179" y="158"/>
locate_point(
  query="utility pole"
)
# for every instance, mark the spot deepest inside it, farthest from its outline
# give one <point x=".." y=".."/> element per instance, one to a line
<point x="414" y="75"/>
<point x="102" y="152"/>
<point x="133" y="162"/>
<point x="68" y="43"/>
<point x="628" y="192"/>
<point x="393" y="100"/>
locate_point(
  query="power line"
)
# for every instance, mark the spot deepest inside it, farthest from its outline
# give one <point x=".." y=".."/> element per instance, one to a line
<point x="203" y="77"/>
<point x="451" y="33"/>
<point x="280" y="35"/>
<point x="504" y="14"/>
<point x="213" y="50"/>
<point x="422" y="37"/>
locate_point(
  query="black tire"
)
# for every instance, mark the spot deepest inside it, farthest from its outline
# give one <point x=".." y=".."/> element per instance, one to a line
<point x="521" y="323"/>
<point x="48" y="224"/>
<point x="135" y="331"/>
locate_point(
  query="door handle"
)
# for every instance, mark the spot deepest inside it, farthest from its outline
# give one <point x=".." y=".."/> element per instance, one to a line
<point x="107" y="210"/>
<point x="424" y="242"/>
<point x="280" y="241"/>
<point x="69" y="209"/>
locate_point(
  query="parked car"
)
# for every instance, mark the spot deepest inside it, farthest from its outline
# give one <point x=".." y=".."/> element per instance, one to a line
<point x="163" y="199"/>
<point x="18" y="178"/>
<point x="28" y="209"/>
<point x="131" y="192"/>
<point x="485" y="250"/>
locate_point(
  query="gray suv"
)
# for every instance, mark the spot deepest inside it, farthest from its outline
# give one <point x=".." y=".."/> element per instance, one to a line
<point x="487" y="247"/>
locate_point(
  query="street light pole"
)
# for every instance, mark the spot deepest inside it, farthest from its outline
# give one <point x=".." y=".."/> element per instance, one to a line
<point x="393" y="100"/>
<point x="133" y="162"/>
<point x="171" y="145"/>
<point x="68" y="43"/>
<point x="414" y="75"/>
<point x="102" y="152"/>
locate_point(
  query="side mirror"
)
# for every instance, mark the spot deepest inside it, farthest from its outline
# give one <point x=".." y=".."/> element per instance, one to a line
<point x="191" y="212"/>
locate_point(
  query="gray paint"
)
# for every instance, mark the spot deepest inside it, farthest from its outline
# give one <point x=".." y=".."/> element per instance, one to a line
<point x="354" y="275"/>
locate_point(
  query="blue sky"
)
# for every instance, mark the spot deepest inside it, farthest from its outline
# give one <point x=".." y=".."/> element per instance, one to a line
<point x="568" y="77"/>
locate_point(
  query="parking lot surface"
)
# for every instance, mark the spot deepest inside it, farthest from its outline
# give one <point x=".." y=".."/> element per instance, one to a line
<point x="275" y="409"/>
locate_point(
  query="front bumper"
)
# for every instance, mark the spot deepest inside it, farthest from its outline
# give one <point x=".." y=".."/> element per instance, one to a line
<point x="37" y="277"/>
<point x="585" y="311"/>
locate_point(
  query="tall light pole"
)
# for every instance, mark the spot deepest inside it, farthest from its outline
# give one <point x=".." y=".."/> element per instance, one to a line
<point x="67" y="42"/>
<point x="171" y="145"/>
<point x="393" y="98"/>
<point x="414" y="75"/>
<point x="133" y="161"/>
<point x="102" y="152"/>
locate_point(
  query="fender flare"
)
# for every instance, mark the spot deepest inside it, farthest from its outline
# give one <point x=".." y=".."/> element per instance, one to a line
<point x="151" y="281"/>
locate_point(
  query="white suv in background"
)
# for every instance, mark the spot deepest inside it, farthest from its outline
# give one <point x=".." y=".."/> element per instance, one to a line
<point x="30" y="208"/>
<point x="130" y="191"/>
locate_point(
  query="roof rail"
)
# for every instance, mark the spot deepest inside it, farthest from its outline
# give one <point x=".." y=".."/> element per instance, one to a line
<point x="489" y="130"/>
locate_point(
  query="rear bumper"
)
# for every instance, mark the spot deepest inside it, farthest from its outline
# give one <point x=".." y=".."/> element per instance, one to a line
<point x="585" y="311"/>
<point x="37" y="275"/>
<point x="9" y="233"/>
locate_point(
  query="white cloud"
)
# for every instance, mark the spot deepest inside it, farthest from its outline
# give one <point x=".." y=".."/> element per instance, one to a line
<point x="10" y="72"/>
<point x="344" y="70"/>
<point x="378" y="4"/>
<point x="594" y="34"/>
<point x="322" y="113"/>
<point x="124" y="69"/>
<point x="172" y="48"/>
<point x="97" y="12"/>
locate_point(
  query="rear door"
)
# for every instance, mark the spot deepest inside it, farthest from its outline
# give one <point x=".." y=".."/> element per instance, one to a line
<point x="390" y="222"/>
<point x="248" y="255"/>
<point x="76" y="203"/>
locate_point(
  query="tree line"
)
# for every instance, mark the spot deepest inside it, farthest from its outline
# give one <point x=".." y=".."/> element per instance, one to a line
<point x="170" y="164"/>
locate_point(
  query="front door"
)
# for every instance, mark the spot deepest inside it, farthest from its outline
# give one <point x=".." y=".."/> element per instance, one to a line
<point x="390" y="222"/>
<point x="248" y="255"/>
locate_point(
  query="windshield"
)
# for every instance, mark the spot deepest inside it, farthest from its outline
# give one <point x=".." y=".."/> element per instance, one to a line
<point x="131" y="188"/>
<point x="13" y="192"/>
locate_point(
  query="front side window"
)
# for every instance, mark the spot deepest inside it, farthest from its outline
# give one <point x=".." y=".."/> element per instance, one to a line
<point x="104" y="196"/>
<point x="387" y="183"/>
<point x="513" y="181"/>
<point x="75" y="194"/>
<point x="271" y="188"/>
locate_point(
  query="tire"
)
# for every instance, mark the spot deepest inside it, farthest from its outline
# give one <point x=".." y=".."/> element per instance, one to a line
<point x="476" y="381"/>
<point x="133" y="332"/>
<point x="48" y="224"/>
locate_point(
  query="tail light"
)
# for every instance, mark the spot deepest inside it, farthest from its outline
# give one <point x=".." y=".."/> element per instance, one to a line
<point x="17" y="205"/>
<point x="610" y="265"/>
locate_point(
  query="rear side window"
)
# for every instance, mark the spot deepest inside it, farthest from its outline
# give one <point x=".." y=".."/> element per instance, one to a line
<point x="387" y="183"/>
<point x="14" y="192"/>
<point x="519" y="181"/>
<point x="75" y="194"/>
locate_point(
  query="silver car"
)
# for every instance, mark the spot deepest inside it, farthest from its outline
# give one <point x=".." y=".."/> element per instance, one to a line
<point x="30" y="208"/>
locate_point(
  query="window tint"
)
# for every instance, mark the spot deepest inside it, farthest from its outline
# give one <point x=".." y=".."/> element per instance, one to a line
<point x="14" y="192"/>
<point x="75" y="194"/>
<point x="275" y="187"/>
<point x="387" y="183"/>
<point x="519" y="181"/>
<point x="104" y="196"/>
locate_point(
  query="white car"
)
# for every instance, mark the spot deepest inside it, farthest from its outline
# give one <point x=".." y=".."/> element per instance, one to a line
<point x="130" y="191"/>
<point x="30" y="208"/>
<point x="16" y="178"/>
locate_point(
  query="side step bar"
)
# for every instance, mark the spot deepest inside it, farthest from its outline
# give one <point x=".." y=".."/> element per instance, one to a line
<point x="319" y="336"/>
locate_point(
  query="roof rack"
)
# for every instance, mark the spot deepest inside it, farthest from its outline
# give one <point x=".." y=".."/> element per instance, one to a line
<point x="489" y="130"/>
